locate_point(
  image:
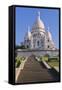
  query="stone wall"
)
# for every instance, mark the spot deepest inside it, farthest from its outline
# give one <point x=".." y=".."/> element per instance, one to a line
<point x="26" y="52"/>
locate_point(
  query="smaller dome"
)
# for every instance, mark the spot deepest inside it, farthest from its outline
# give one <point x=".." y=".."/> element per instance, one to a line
<point x="49" y="35"/>
<point x="29" y="34"/>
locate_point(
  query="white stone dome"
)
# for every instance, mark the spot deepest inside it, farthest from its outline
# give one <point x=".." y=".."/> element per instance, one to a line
<point x="38" y="24"/>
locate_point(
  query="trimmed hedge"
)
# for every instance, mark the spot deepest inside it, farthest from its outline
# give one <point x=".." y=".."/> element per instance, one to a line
<point x="53" y="59"/>
<point x="18" y="60"/>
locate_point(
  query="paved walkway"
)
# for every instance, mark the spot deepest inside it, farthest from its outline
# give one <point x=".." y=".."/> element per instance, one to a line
<point x="33" y="71"/>
<point x="18" y="70"/>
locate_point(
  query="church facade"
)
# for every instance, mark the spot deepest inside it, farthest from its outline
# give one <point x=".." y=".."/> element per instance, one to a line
<point x="39" y="37"/>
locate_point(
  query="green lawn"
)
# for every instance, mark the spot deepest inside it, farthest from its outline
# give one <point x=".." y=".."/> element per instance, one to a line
<point x="43" y="58"/>
<point x="54" y="63"/>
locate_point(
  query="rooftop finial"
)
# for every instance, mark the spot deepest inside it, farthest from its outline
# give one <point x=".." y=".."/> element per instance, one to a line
<point x="38" y="14"/>
<point x="28" y="28"/>
<point x="29" y="33"/>
<point x="48" y="28"/>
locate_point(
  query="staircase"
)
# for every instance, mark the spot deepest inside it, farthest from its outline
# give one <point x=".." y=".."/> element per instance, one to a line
<point x="33" y="71"/>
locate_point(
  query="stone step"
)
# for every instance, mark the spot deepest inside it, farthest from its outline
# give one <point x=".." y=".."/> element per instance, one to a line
<point x="33" y="71"/>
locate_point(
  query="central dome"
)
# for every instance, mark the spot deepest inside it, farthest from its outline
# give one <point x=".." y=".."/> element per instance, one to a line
<point x="38" y="25"/>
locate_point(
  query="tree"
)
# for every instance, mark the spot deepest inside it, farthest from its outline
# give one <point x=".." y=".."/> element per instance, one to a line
<point x="46" y="55"/>
<point x="20" y="47"/>
<point x="27" y="46"/>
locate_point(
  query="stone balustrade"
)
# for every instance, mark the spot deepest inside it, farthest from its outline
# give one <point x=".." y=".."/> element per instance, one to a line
<point x="29" y="52"/>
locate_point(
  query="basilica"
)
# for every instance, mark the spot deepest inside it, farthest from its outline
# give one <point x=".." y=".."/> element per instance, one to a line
<point x="38" y="37"/>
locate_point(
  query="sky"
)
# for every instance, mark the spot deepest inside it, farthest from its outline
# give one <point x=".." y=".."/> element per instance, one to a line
<point x="26" y="17"/>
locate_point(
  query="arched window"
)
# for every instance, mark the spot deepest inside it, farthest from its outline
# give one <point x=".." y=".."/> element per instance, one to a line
<point x="48" y="46"/>
<point x="48" y="40"/>
<point x="38" y="43"/>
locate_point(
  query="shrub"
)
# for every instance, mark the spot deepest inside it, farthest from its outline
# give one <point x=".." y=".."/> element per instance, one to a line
<point x="18" y="62"/>
<point x="53" y="59"/>
<point x="21" y="47"/>
<point x="46" y="55"/>
<point x="40" y="58"/>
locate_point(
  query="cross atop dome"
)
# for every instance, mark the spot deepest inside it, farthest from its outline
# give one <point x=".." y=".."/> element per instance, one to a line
<point x="38" y="14"/>
<point x="48" y="28"/>
<point x="28" y="28"/>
